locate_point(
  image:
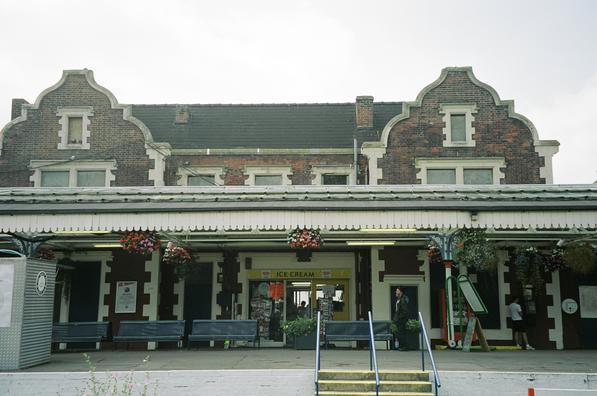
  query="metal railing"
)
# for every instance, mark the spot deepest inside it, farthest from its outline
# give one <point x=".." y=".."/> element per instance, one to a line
<point x="318" y="353"/>
<point x="425" y="343"/>
<point x="373" y="355"/>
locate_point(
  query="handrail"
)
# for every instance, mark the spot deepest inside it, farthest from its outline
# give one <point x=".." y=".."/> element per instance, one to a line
<point x="424" y="337"/>
<point x="317" y="354"/>
<point x="373" y="358"/>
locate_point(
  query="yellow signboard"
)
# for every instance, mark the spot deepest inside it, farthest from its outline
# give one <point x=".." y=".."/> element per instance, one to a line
<point x="300" y="273"/>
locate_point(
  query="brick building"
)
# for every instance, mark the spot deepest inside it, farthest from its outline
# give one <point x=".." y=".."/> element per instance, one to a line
<point x="229" y="182"/>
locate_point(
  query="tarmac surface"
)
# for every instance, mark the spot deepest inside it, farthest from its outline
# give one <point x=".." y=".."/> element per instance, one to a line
<point x="288" y="372"/>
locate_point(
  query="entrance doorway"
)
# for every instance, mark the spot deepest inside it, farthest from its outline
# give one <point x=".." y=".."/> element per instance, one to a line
<point x="84" y="296"/>
<point x="274" y="301"/>
<point x="197" y="297"/>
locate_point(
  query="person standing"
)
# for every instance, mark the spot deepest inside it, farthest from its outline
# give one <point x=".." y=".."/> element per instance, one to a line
<point x="400" y="317"/>
<point x="520" y="332"/>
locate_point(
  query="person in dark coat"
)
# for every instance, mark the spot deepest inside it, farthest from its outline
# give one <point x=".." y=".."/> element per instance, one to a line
<point x="400" y="317"/>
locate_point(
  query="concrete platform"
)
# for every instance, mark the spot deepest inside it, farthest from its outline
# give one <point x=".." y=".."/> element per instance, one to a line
<point x="269" y="372"/>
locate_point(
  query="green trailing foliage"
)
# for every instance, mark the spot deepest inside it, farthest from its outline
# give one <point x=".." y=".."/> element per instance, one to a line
<point x="529" y="264"/>
<point x="474" y="250"/>
<point x="580" y="257"/>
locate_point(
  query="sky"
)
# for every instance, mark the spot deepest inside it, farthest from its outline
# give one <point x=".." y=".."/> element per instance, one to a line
<point x="541" y="54"/>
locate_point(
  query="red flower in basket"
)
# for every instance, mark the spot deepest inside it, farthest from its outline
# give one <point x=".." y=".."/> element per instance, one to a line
<point x="176" y="255"/>
<point x="305" y="238"/>
<point x="140" y="242"/>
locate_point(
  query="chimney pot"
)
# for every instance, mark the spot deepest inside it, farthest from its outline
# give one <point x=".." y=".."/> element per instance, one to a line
<point x="364" y="111"/>
<point x="182" y="114"/>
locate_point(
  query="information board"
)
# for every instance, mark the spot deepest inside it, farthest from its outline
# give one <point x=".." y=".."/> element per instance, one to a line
<point x="126" y="297"/>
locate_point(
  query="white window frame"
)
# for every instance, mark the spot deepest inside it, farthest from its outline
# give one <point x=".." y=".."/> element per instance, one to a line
<point x="184" y="173"/>
<point x="449" y="109"/>
<point x="319" y="170"/>
<point x="459" y="165"/>
<point x="252" y="171"/>
<point x="76" y="111"/>
<point x="72" y="167"/>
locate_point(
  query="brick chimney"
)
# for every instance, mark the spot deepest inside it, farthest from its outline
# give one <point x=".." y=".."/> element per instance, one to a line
<point x="16" y="108"/>
<point x="182" y="114"/>
<point x="364" y="109"/>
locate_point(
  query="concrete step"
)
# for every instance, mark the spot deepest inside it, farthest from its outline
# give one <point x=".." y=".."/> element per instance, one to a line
<point x="369" y="386"/>
<point x="370" y="375"/>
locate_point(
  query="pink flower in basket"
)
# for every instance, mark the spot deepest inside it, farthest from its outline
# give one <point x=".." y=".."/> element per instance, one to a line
<point x="305" y="238"/>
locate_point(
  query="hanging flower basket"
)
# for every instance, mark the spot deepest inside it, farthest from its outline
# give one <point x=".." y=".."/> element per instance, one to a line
<point x="473" y="250"/>
<point x="529" y="264"/>
<point x="45" y="254"/>
<point x="555" y="260"/>
<point x="176" y="255"/>
<point x="305" y="238"/>
<point x="580" y="257"/>
<point x="140" y="242"/>
<point x="179" y="258"/>
<point x="434" y="253"/>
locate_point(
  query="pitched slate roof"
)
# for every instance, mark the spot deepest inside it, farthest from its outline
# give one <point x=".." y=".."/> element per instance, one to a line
<point x="294" y="126"/>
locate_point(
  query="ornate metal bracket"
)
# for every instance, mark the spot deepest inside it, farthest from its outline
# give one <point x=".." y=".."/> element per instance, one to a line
<point x="445" y="243"/>
<point x="28" y="244"/>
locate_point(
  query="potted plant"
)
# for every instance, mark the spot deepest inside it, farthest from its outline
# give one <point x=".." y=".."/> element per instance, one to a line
<point x="409" y="337"/>
<point x="302" y="331"/>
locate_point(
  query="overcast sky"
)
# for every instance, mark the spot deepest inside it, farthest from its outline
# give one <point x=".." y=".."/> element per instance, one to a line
<point x="541" y="54"/>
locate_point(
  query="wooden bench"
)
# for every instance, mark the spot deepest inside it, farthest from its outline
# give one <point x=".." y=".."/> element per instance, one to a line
<point x="66" y="332"/>
<point x="358" y="330"/>
<point x="150" y="331"/>
<point x="221" y="330"/>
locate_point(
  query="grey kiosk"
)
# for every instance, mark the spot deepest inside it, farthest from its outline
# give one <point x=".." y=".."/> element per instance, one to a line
<point x="26" y="308"/>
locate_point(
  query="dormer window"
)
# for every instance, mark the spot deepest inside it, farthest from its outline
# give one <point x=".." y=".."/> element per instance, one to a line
<point x="75" y="121"/>
<point x="75" y="130"/>
<point x="458" y="124"/>
<point x="458" y="129"/>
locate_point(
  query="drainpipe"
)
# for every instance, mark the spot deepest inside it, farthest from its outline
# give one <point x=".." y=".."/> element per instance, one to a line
<point x="355" y="161"/>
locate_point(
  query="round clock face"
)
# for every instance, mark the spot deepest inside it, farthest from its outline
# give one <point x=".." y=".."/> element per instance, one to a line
<point x="42" y="280"/>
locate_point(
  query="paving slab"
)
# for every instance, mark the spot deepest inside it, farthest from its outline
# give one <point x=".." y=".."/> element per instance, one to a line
<point x="274" y="372"/>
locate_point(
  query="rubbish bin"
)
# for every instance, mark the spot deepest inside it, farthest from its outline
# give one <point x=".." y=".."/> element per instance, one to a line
<point x="26" y="309"/>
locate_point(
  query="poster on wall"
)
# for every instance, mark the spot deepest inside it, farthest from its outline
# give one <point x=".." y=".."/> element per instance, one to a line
<point x="6" y="287"/>
<point x="126" y="297"/>
<point x="588" y="301"/>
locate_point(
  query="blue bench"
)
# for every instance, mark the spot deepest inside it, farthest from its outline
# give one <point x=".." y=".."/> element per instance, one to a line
<point x="358" y="330"/>
<point x="150" y="331"/>
<point x="221" y="330"/>
<point x="66" y="332"/>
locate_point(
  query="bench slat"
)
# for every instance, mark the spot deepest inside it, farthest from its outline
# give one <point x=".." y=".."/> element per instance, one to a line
<point x="150" y="331"/>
